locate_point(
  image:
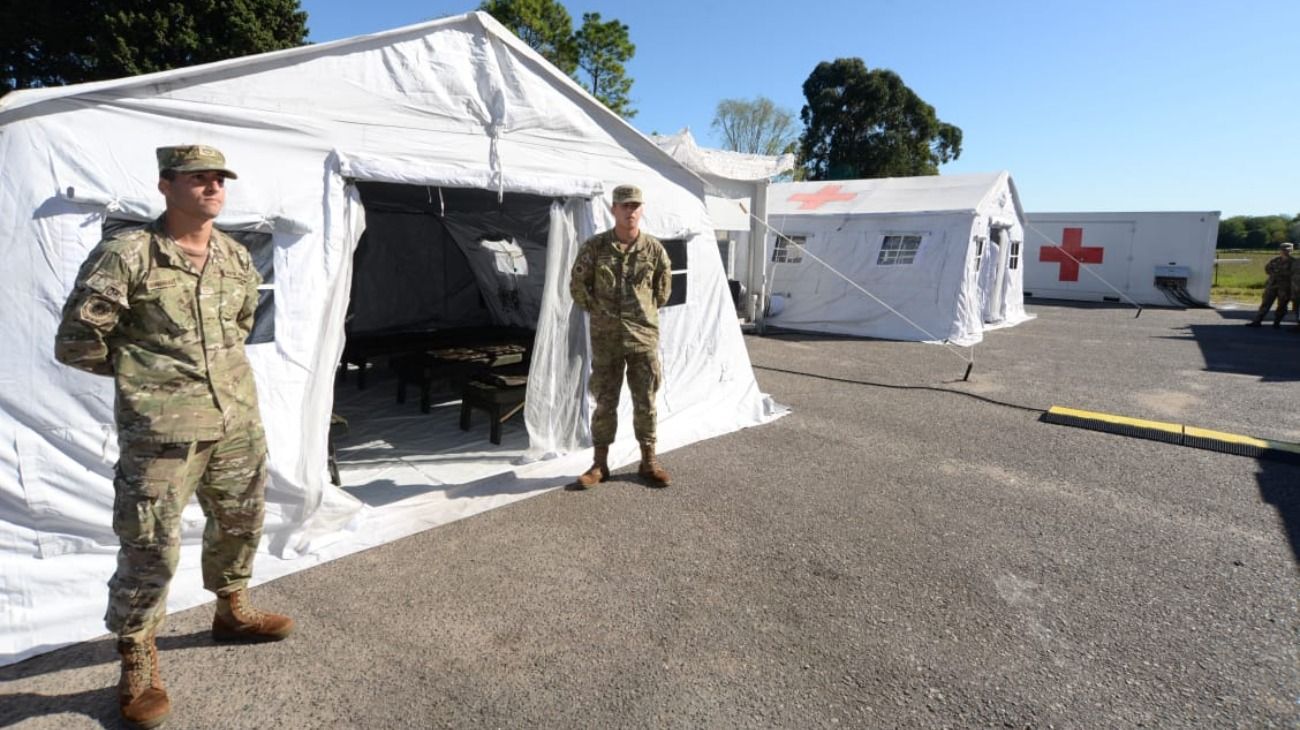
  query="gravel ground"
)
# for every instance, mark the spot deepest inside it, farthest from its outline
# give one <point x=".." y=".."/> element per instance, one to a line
<point x="882" y="557"/>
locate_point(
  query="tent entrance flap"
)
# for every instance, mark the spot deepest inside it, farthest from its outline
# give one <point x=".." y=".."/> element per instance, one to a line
<point x="446" y="292"/>
<point x="992" y="275"/>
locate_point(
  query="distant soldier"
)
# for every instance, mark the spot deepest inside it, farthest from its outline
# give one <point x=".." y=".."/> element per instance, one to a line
<point x="1295" y="292"/>
<point x="621" y="278"/>
<point x="165" y="310"/>
<point x="1278" y="287"/>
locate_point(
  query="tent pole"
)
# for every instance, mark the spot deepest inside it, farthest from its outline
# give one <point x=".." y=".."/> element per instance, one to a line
<point x="756" y="297"/>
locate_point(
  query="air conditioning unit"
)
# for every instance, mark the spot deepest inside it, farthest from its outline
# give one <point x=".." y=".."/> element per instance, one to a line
<point x="1172" y="276"/>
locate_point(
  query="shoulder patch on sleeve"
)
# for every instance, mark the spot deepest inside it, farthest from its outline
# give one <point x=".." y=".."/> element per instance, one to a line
<point x="96" y="310"/>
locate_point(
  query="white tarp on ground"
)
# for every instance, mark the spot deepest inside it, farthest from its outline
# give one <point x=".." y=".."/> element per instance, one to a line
<point x="943" y="252"/>
<point x="1095" y="257"/>
<point x="457" y="103"/>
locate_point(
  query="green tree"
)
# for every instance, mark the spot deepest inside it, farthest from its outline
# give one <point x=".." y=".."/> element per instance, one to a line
<point x="50" y="44"/>
<point x="594" y="56"/>
<point x="1232" y="233"/>
<point x="755" y="126"/>
<point x="603" y="48"/>
<point x="543" y="24"/>
<point x="861" y="123"/>
<point x="1257" y="231"/>
<point x="1270" y="229"/>
<point x="1257" y="238"/>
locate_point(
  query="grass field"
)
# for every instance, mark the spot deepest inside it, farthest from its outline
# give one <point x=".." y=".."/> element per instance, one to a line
<point x="1240" y="280"/>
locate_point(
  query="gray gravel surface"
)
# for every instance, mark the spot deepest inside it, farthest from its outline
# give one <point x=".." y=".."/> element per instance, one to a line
<point x="883" y="557"/>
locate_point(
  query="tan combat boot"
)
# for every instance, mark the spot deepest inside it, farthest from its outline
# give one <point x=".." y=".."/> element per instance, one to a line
<point x="599" y="471"/>
<point x="141" y="694"/>
<point x="237" y="620"/>
<point x="651" y="469"/>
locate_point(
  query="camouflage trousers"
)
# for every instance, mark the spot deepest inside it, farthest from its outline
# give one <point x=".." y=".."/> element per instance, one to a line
<point x="1273" y="292"/>
<point x="643" y="378"/>
<point x="153" y="484"/>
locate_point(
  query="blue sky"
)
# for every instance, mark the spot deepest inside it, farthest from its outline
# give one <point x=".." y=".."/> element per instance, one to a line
<point x="1092" y="106"/>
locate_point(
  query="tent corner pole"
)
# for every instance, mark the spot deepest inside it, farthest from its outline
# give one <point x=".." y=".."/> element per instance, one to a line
<point x="756" y="301"/>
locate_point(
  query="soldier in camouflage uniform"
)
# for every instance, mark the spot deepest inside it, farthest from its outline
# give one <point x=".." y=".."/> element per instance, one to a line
<point x="1295" y="291"/>
<point x="621" y="278"/>
<point x="1277" y="287"/>
<point x="164" y="311"/>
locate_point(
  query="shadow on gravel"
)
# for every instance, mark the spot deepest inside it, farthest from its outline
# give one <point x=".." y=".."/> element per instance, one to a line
<point x="776" y="332"/>
<point x="99" y="704"/>
<point x="1267" y="353"/>
<point x="616" y="480"/>
<point x="383" y="492"/>
<point x="1279" y="485"/>
<point x="93" y="653"/>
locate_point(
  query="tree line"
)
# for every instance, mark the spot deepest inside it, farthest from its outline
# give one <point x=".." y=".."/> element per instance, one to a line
<point x="1258" y="231"/>
<point x="57" y="43"/>
<point x="858" y="122"/>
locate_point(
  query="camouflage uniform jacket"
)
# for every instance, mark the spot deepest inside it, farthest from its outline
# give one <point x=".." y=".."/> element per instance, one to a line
<point x="1279" y="269"/>
<point x="622" y="290"/>
<point x="172" y="338"/>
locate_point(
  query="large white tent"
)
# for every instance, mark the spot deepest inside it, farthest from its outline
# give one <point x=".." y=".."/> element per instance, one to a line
<point x="433" y="177"/>
<point x="934" y="258"/>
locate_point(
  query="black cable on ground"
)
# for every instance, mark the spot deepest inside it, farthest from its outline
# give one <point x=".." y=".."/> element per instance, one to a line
<point x="891" y="386"/>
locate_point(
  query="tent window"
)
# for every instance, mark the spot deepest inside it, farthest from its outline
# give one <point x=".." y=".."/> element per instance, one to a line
<point x="785" y="252"/>
<point x="898" y="250"/>
<point x="261" y="248"/>
<point x="676" y="249"/>
<point x="1013" y="261"/>
<point x="979" y="252"/>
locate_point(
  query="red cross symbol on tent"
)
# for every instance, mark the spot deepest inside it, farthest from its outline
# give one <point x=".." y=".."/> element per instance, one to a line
<point x="828" y="194"/>
<point x="1071" y="253"/>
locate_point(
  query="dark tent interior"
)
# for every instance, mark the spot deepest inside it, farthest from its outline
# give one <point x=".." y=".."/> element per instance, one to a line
<point x="446" y="292"/>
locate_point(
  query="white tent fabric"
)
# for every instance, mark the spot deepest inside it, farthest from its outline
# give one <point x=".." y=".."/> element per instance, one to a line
<point x="724" y="164"/>
<point x="729" y="176"/>
<point x="943" y="252"/>
<point x="457" y="103"/>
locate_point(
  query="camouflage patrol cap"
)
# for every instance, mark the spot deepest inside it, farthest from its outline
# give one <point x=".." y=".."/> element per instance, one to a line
<point x="627" y="194"/>
<point x="193" y="158"/>
<point x="1288" y="246"/>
